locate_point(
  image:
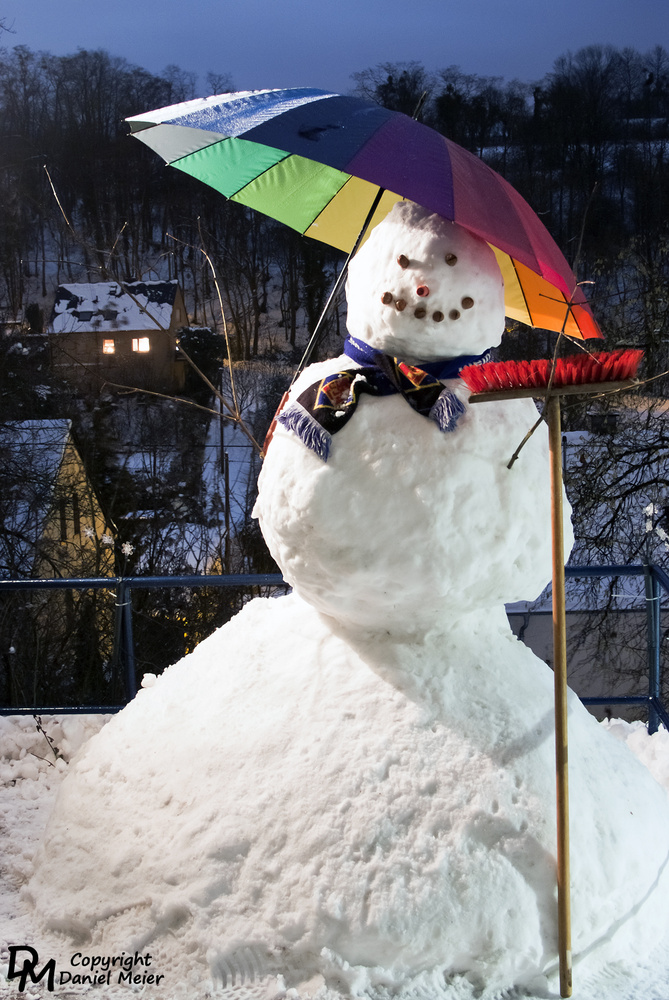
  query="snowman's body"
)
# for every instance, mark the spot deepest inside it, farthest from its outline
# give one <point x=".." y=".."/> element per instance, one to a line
<point x="367" y="796"/>
<point x="396" y="530"/>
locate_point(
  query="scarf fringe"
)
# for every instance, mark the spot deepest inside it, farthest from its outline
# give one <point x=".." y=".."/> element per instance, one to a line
<point x="447" y="411"/>
<point x="309" y="431"/>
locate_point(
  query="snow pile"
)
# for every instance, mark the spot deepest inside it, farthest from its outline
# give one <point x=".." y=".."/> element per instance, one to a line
<point x="367" y="812"/>
<point x="28" y="747"/>
<point x="654" y="753"/>
<point x="25" y="803"/>
<point x="33" y="762"/>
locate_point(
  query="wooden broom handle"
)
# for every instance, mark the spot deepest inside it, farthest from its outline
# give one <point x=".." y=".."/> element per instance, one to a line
<point x="560" y="681"/>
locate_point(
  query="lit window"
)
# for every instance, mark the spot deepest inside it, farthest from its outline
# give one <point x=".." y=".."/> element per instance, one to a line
<point x="140" y="344"/>
<point x="108" y="347"/>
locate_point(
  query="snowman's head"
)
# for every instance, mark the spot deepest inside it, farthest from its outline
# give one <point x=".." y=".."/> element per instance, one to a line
<point x="423" y="288"/>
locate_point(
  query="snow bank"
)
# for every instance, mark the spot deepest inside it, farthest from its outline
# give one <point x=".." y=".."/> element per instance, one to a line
<point x="364" y="812"/>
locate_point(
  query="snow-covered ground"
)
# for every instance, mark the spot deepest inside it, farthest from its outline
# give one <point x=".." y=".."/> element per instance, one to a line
<point x="31" y="771"/>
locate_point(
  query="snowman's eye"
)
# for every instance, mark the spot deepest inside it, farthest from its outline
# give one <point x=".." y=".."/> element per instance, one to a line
<point x="451" y="259"/>
<point x="403" y="261"/>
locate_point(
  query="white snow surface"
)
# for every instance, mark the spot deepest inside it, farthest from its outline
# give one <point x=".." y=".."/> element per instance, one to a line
<point x="108" y="306"/>
<point x="365" y="818"/>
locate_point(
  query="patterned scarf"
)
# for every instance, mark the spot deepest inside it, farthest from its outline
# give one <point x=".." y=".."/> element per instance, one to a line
<point x="327" y="406"/>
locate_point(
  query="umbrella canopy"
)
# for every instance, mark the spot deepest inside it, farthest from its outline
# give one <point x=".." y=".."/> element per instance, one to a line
<point x="315" y="161"/>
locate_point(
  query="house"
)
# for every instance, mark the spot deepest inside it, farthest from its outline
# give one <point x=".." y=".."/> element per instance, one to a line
<point x="51" y="523"/>
<point x="56" y="645"/>
<point x="119" y="332"/>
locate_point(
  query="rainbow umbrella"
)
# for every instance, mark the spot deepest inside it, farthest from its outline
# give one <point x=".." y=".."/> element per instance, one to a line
<point x="317" y="162"/>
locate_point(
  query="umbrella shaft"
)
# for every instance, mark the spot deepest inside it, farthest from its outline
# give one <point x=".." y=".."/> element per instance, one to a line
<point x="313" y="341"/>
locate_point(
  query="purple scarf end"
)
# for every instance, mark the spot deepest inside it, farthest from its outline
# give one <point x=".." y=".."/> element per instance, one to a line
<point x="309" y="431"/>
<point x="447" y="411"/>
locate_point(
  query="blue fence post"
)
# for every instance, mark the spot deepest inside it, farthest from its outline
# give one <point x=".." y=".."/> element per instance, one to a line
<point x="124" y="599"/>
<point x="117" y="640"/>
<point x="652" y="587"/>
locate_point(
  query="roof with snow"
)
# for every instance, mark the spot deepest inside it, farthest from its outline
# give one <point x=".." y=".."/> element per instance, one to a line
<point x="107" y="306"/>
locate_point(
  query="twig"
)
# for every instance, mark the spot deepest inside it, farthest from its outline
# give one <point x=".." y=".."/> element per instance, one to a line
<point x="220" y="305"/>
<point x="49" y="762"/>
<point x="52" y="746"/>
<point x="188" y="402"/>
<point x="547" y="397"/>
<point x="118" y="237"/>
<point x="524" y="441"/>
<point x="67" y="221"/>
<point x="78" y="239"/>
<point x="577" y="258"/>
<point x="233" y="411"/>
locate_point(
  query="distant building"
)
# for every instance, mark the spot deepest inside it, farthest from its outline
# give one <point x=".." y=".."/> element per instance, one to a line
<point x="56" y="645"/>
<point x="123" y="332"/>
<point x="51" y="523"/>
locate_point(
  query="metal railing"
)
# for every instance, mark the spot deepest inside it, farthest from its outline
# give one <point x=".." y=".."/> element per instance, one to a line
<point x="655" y="580"/>
<point x="124" y="645"/>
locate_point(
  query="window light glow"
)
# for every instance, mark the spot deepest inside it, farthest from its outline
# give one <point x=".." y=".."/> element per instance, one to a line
<point x="141" y="345"/>
<point x="108" y="347"/>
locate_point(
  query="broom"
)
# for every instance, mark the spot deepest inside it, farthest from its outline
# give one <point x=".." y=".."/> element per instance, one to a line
<point x="583" y="374"/>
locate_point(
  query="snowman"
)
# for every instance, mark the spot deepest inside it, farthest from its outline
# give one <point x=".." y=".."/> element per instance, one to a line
<point x="406" y="515"/>
<point x="349" y="790"/>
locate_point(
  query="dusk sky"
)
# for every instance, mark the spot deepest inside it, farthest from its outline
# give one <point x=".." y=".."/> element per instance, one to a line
<point x="312" y="43"/>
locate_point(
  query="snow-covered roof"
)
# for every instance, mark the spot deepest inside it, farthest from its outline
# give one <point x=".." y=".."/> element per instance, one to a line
<point x="112" y="305"/>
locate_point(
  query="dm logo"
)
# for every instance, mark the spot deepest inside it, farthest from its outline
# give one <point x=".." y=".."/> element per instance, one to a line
<point x="29" y="967"/>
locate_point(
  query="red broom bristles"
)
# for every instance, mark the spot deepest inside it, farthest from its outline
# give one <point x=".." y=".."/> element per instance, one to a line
<point x="579" y="369"/>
